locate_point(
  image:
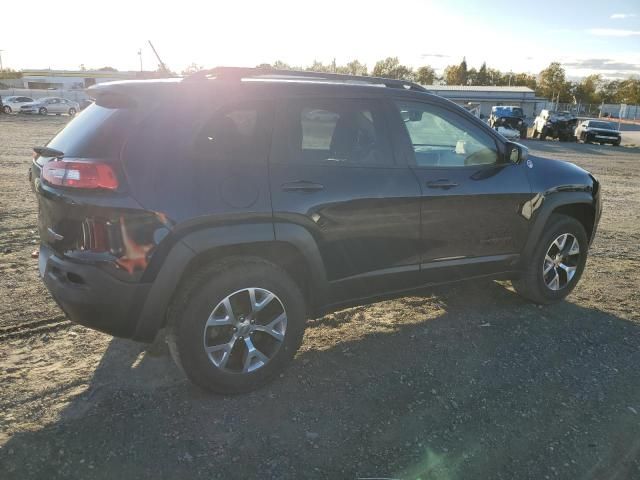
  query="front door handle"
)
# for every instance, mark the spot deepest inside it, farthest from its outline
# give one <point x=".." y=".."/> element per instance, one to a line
<point x="442" y="183"/>
<point x="302" y="186"/>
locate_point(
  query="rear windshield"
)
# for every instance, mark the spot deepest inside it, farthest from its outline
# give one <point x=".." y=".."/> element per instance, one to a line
<point x="97" y="132"/>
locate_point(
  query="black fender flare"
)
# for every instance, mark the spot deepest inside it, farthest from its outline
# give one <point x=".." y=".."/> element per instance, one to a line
<point x="550" y="202"/>
<point x="152" y="316"/>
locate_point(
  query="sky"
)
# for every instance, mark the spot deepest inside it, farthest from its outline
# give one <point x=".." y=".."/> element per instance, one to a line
<point x="585" y="36"/>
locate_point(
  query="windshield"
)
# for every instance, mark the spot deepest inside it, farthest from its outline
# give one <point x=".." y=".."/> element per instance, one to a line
<point x="606" y="125"/>
<point x="508" y="111"/>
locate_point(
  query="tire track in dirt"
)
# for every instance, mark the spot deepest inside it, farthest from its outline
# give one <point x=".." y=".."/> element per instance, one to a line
<point x="34" y="328"/>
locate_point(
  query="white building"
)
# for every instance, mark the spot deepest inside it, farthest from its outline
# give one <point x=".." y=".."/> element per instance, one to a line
<point x="487" y="97"/>
<point x="70" y="79"/>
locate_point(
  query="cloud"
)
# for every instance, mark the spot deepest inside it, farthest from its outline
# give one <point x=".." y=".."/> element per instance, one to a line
<point x="602" y="64"/>
<point x="435" y="55"/>
<point x="607" y="67"/>
<point x="613" y="32"/>
<point x="622" y="16"/>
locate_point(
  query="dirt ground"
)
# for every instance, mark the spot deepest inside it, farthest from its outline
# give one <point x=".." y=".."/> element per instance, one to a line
<point x="463" y="381"/>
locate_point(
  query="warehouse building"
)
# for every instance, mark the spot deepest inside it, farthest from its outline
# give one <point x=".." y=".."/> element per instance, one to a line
<point x="70" y="79"/>
<point x="487" y="97"/>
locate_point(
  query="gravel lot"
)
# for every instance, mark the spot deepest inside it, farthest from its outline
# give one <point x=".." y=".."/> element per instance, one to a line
<point x="464" y="381"/>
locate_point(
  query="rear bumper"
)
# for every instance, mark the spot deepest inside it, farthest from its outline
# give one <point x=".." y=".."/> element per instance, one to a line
<point x="90" y="296"/>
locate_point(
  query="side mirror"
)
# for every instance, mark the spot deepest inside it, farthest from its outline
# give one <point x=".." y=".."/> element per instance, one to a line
<point x="415" y="115"/>
<point x="516" y="152"/>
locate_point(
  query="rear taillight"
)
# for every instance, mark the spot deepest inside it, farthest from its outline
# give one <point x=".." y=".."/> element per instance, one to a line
<point x="85" y="174"/>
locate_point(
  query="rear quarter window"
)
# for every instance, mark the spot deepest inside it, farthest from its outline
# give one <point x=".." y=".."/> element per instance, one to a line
<point x="97" y="132"/>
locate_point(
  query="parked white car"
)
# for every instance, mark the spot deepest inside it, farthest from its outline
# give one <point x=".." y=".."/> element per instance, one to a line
<point x="13" y="103"/>
<point x="47" y="105"/>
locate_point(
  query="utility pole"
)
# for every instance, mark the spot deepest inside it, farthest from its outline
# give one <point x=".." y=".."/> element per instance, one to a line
<point x="140" y="55"/>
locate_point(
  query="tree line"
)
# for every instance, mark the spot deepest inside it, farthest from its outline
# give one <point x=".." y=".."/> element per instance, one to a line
<point x="550" y="83"/>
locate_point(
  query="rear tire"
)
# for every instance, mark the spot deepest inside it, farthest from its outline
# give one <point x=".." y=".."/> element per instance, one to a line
<point x="6" y="109"/>
<point x="72" y="112"/>
<point x="43" y="111"/>
<point x="211" y="310"/>
<point x="523" y="133"/>
<point x="534" y="284"/>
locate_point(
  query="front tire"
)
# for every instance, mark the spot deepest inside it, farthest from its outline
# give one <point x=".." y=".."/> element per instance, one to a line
<point x="555" y="267"/>
<point x="236" y="324"/>
<point x="6" y="109"/>
<point x="72" y="112"/>
<point x="43" y="111"/>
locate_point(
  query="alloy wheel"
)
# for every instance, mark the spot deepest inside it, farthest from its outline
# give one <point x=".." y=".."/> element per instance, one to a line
<point x="561" y="262"/>
<point x="245" y="330"/>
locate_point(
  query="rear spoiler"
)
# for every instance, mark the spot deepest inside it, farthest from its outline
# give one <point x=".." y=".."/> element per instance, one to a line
<point x="128" y="93"/>
<point x="111" y="98"/>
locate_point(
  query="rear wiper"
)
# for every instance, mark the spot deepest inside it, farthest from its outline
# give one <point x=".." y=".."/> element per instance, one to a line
<point x="48" y="152"/>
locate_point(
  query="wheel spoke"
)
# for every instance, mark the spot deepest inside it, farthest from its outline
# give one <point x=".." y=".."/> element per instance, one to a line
<point x="548" y="265"/>
<point x="554" y="284"/>
<point x="276" y="328"/>
<point x="570" y="271"/>
<point x="253" y="357"/>
<point x="574" y="249"/>
<point x="219" y="354"/>
<point x="560" y="241"/>
<point x="256" y="305"/>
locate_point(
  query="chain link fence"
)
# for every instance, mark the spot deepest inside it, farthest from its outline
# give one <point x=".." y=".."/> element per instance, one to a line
<point x="597" y="110"/>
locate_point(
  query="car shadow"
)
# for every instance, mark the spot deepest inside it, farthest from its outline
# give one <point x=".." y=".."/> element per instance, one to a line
<point x="460" y="381"/>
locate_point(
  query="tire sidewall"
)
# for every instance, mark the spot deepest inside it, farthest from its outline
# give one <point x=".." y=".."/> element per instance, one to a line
<point x="72" y="112"/>
<point x="559" y="226"/>
<point x="43" y="111"/>
<point x="190" y="329"/>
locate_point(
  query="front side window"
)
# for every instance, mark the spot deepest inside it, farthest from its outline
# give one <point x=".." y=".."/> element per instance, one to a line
<point x="332" y="132"/>
<point x="440" y="139"/>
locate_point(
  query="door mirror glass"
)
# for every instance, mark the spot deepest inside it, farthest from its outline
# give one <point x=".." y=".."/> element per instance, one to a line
<point x="517" y="152"/>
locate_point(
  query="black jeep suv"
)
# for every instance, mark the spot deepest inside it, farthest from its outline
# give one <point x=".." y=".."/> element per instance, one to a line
<point x="225" y="208"/>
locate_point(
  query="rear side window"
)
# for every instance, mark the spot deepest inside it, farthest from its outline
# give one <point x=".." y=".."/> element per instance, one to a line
<point x="236" y="133"/>
<point x="337" y="132"/>
<point x="97" y="132"/>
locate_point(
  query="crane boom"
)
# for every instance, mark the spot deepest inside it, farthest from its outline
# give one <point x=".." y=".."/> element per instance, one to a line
<point x="161" y="64"/>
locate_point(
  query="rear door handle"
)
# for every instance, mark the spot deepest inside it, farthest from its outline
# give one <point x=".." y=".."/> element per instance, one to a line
<point x="302" y="186"/>
<point x="442" y="183"/>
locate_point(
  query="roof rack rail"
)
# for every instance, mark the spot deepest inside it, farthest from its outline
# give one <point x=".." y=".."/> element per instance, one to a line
<point x="238" y="73"/>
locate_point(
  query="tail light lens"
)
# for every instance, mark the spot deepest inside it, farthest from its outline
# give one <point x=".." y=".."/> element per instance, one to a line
<point x="88" y="175"/>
